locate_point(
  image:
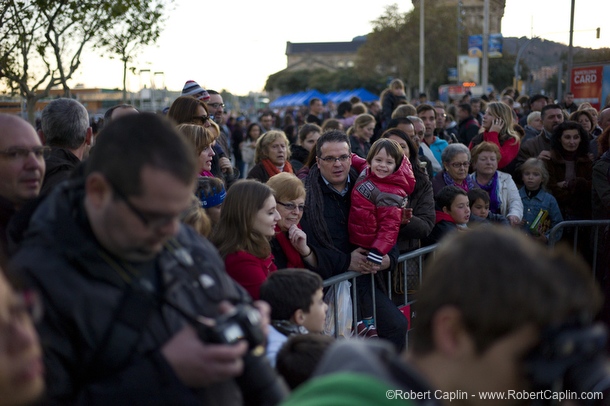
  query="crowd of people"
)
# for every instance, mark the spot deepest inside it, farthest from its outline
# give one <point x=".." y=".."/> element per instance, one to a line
<point x="180" y="257"/>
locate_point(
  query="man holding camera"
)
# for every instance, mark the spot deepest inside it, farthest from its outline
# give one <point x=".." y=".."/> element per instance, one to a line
<point x="497" y="317"/>
<point x="123" y="281"/>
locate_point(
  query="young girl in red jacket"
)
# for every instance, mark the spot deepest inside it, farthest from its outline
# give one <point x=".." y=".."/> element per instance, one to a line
<point x="378" y="199"/>
<point x="380" y="194"/>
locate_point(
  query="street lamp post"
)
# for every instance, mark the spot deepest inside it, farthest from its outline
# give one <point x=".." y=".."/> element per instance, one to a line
<point x="519" y="53"/>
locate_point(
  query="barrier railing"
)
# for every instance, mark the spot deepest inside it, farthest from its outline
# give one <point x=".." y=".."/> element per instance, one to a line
<point x="595" y="225"/>
<point x="418" y="255"/>
<point x="351" y="276"/>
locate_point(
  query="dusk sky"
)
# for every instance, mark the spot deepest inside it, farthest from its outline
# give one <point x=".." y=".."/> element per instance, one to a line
<point x="238" y="46"/>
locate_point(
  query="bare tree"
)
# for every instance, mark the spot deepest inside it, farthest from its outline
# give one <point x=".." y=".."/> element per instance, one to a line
<point x="41" y="42"/>
<point x="140" y="27"/>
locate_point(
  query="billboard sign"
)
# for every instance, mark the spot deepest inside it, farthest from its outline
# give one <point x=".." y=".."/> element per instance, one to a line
<point x="468" y="69"/>
<point x="494" y="46"/>
<point x="586" y="84"/>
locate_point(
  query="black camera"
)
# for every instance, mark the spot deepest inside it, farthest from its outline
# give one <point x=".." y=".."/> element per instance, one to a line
<point x="242" y="323"/>
<point x="259" y="383"/>
<point x="571" y="358"/>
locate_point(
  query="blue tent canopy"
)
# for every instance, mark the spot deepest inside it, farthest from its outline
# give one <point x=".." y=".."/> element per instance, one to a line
<point x="303" y="98"/>
<point x="345" y="95"/>
<point x="297" y="99"/>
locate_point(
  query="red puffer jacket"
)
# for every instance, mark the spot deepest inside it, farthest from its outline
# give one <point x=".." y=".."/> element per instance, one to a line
<point x="376" y="208"/>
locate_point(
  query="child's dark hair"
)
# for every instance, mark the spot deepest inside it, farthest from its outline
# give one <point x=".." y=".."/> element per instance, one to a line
<point x="210" y="191"/>
<point x="446" y="196"/>
<point x="392" y="148"/>
<point x="474" y="194"/>
<point x="288" y="290"/>
<point x="300" y="355"/>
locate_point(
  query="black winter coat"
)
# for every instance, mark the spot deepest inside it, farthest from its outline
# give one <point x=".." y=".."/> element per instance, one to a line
<point x="83" y="286"/>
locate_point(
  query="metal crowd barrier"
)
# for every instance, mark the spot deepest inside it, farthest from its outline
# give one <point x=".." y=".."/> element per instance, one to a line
<point x="333" y="283"/>
<point x="419" y="254"/>
<point x="595" y="225"/>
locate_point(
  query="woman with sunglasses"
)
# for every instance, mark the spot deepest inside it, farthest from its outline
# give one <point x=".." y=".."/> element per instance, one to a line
<point x="289" y="245"/>
<point x="189" y="110"/>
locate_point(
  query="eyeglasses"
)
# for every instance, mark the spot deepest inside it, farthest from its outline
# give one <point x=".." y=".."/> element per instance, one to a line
<point x="332" y="159"/>
<point x="457" y="165"/>
<point x="292" y="206"/>
<point x="216" y="105"/>
<point x="155" y="222"/>
<point x="23" y="153"/>
<point x="203" y="119"/>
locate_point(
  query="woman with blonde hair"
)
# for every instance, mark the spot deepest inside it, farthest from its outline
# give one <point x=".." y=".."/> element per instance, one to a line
<point x="498" y="128"/>
<point x="202" y="141"/>
<point x="247" y="223"/>
<point x="271" y="156"/>
<point x="360" y="134"/>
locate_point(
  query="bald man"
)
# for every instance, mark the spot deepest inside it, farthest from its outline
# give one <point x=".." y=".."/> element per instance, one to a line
<point x="22" y="167"/>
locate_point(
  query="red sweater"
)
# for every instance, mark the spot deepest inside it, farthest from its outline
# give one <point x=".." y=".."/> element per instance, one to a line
<point x="509" y="150"/>
<point x="249" y="271"/>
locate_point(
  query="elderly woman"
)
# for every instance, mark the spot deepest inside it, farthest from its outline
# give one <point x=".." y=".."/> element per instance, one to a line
<point x="456" y="161"/>
<point x="271" y="156"/>
<point x="504" y="196"/>
<point x="289" y="246"/>
<point x="360" y="134"/>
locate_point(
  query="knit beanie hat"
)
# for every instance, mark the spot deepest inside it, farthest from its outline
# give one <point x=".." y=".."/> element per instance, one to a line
<point x="192" y="88"/>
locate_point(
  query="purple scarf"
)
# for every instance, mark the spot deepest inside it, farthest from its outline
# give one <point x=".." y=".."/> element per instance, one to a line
<point x="492" y="189"/>
<point x="467" y="184"/>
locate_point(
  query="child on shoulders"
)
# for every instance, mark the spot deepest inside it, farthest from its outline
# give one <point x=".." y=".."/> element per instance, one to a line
<point x="380" y="194"/>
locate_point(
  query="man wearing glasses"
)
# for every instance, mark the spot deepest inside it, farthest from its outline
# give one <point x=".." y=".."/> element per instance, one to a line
<point x="22" y="170"/>
<point x="119" y="275"/>
<point x="216" y="110"/>
<point x="327" y="205"/>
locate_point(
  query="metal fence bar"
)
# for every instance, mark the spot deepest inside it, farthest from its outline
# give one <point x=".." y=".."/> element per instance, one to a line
<point x="351" y="276"/>
<point x="576" y="224"/>
<point x="420" y="253"/>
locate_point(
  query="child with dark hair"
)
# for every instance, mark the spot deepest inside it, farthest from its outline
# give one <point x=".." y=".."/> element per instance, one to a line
<point x="299" y="357"/>
<point x="211" y="193"/>
<point x="452" y="213"/>
<point x="297" y="306"/>
<point x="378" y="199"/>
<point x="380" y="194"/>
<point x="479" y="208"/>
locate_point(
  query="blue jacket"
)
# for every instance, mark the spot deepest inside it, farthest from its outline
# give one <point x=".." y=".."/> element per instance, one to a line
<point x="531" y="207"/>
